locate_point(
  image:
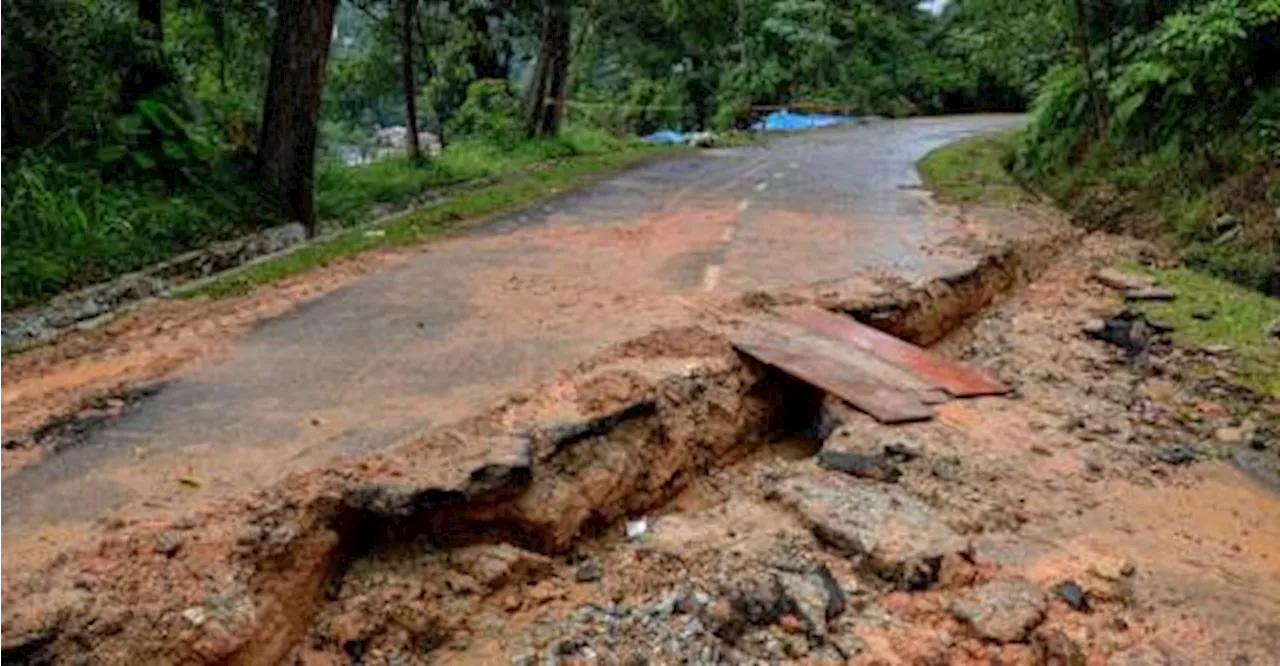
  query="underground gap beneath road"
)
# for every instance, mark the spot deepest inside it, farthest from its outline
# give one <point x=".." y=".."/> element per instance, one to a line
<point x="556" y="503"/>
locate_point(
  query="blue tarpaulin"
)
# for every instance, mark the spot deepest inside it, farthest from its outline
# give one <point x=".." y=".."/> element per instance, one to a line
<point x="790" y="120"/>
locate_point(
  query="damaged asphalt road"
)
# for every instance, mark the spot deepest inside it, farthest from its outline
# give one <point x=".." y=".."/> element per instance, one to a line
<point x="778" y="525"/>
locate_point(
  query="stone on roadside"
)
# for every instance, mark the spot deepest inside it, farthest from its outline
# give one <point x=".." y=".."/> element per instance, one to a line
<point x="1004" y="610"/>
<point x="1175" y="454"/>
<point x="875" y="468"/>
<point x="1074" y="595"/>
<point x="897" y="537"/>
<point x="1150" y="294"/>
<point x="1122" y="281"/>
<point x="589" y="570"/>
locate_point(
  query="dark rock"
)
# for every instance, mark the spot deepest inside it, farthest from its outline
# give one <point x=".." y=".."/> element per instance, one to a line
<point x="35" y="649"/>
<point x="835" y="605"/>
<point x="1003" y="610"/>
<point x="1175" y="454"/>
<point x="1075" y="596"/>
<point x="1126" y="329"/>
<point x="1273" y="329"/>
<point x="589" y="570"/>
<point x="1203" y="314"/>
<point x="863" y="466"/>
<point x="901" y="451"/>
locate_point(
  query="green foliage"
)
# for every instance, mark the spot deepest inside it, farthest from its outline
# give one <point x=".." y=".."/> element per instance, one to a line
<point x="489" y="112"/>
<point x="66" y="227"/>
<point x="1181" y="126"/>
<point x="157" y="138"/>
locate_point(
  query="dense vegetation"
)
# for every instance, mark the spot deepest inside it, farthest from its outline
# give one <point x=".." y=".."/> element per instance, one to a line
<point x="136" y="129"/>
<point x="1163" y="119"/>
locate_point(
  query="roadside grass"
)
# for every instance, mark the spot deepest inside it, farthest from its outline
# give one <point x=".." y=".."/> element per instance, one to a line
<point x="973" y="170"/>
<point x="1238" y="317"/>
<point x="348" y="194"/>
<point x="451" y="215"/>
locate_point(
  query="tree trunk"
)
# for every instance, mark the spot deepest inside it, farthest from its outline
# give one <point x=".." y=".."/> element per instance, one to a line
<point x="1086" y="61"/>
<point x="482" y="55"/>
<point x="410" y="83"/>
<point x="151" y="15"/>
<point x="545" y="104"/>
<point x="147" y="74"/>
<point x="291" y="111"/>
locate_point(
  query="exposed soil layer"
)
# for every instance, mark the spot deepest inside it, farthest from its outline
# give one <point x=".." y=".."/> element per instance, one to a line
<point x="1044" y="527"/>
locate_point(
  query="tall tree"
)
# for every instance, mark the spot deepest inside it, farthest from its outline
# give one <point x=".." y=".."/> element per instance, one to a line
<point x="545" y="104"/>
<point x="149" y="70"/>
<point x="410" y="8"/>
<point x="151" y="15"/>
<point x="291" y="111"/>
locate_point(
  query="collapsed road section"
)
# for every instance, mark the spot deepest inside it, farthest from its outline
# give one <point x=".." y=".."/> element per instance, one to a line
<point x="674" y="500"/>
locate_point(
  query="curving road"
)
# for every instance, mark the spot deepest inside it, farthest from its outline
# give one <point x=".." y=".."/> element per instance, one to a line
<point x="465" y="320"/>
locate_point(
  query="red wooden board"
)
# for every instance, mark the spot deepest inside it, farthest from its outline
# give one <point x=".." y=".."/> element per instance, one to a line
<point x="956" y="378"/>
<point x="885" y="404"/>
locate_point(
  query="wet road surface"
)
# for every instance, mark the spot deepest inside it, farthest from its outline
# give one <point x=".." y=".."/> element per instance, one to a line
<point x="468" y="319"/>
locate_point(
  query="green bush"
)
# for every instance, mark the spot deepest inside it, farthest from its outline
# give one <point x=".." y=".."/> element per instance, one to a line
<point x="489" y="112"/>
<point x="65" y="227"/>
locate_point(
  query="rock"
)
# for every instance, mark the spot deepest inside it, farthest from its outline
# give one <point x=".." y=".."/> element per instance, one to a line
<point x="1150" y="294"/>
<point x="902" y="450"/>
<point x="1126" y="329"/>
<point x="195" y="616"/>
<point x="168" y="544"/>
<point x="1217" y="350"/>
<point x="1075" y="596"/>
<point x="498" y="565"/>
<point x="589" y="570"/>
<point x="1003" y="610"/>
<point x="898" y="537"/>
<point x="806" y="598"/>
<point x="702" y="139"/>
<point x="863" y="466"/>
<point x="1203" y="314"/>
<point x="1122" y="281"/>
<point x="1053" y="647"/>
<point x="1175" y="454"/>
<point x="1228" y="435"/>
<point x="1273" y="329"/>
<point x="836" y="603"/>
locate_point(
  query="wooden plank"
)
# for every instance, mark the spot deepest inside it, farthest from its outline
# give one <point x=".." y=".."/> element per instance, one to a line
<point x="883" y="403"/>
<point x="956" y="378"/>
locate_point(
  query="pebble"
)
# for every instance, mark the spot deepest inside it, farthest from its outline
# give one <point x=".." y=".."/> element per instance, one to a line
<point x="1075" y="596"/>
<point x="589" y="570"/>
<point x="1175" y="454"/>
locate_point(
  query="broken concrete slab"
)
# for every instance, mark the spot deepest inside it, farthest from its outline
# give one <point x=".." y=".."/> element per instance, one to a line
<point x="899" y="538"/>
<point x="1004" y="610"/>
